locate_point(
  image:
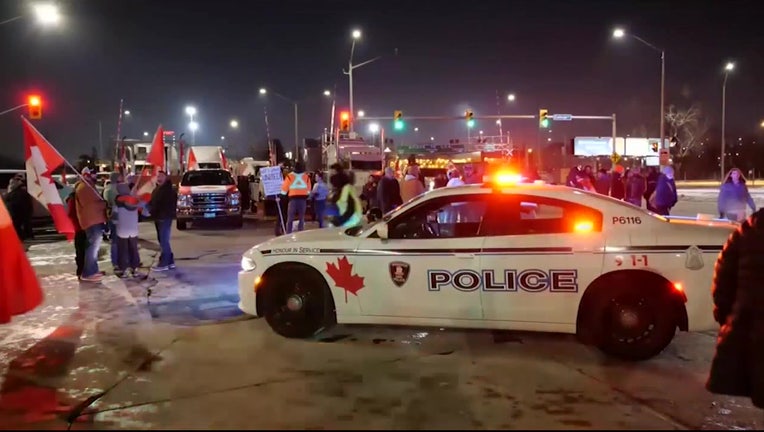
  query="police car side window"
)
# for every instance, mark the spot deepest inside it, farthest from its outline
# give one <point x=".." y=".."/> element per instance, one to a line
<point x="450" y="217"/>
<point x="539" y="215"/>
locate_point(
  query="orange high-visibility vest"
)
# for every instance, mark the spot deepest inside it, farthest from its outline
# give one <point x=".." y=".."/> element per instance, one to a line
<point x="296" y="185"/>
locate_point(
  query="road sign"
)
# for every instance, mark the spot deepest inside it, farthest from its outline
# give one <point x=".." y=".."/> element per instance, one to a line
<point x="615" y="158"/>
<point x="562" y="117"/>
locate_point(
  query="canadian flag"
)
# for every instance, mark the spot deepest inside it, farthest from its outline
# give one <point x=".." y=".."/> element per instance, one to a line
<point x="148" y="178"/>
<point x="20" y="290"/>
<point x="192" y="164"/>
<point x="41" y="161"/>
<point x="223" y="160"/>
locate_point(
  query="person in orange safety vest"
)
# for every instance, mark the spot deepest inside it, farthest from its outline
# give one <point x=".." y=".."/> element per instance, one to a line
<point x="297" y="187"/>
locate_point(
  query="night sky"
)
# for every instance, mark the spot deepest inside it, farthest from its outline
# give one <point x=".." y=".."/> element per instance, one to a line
<point x="162" y="55"/>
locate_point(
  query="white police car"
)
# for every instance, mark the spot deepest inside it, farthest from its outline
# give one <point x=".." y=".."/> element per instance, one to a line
<point x="530" y="257"/>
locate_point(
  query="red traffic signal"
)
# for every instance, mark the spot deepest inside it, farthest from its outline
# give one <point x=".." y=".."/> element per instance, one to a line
<point x="344" y="121"/>
<point x="35" y="107"/>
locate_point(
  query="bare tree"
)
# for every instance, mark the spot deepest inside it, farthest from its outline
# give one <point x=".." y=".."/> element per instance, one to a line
<point x="688" y="127"/>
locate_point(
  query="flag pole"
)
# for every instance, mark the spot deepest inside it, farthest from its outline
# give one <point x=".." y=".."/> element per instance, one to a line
<point x="63" y="159"/>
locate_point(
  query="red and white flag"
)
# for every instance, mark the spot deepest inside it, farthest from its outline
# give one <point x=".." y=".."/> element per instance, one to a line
<point x="42" y="160"/>
<point x="192" y="163"/>
<point x="148" y="178"/>
<point x="20" y="290"/>
<point x="223" y="160"/>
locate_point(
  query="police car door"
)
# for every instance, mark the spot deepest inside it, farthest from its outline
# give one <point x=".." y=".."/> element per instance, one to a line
<point x="428" y="266"/>
<point x="538" y="257"/>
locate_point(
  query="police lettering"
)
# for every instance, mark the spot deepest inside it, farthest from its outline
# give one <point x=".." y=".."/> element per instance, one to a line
<point x="530" y="280"/>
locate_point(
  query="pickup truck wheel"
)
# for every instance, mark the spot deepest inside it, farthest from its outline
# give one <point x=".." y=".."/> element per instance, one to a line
<point x="638" y="324"/>
<point x="295" y="301"/>
<point x="181" y="225"/>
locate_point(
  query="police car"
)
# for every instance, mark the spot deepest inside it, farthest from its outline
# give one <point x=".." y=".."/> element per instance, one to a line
<point x="528" y="257"/>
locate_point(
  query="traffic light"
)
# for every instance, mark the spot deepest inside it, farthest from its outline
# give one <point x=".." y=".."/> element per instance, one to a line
<point x="345" y="121"/>
<point x="35" y="107"/>
<point x="543" y="118"/>
<point x="398" y="120"/>
<point x="469" y="116"/>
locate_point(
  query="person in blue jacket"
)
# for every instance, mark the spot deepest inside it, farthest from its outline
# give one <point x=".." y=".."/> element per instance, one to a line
<point x="734" y="197"/>
<point x="665" y="192"/>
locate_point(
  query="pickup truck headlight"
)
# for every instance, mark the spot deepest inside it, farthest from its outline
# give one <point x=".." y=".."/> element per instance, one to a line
<point x="184" y="200"/>
<point x="233" y="198"/>
<point x="247" y="264"/>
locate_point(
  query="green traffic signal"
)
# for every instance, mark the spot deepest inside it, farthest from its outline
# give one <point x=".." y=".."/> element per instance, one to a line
<point x="545" y="123"/>
<point x="470" y="123"/>
<point x="398" y="125"/>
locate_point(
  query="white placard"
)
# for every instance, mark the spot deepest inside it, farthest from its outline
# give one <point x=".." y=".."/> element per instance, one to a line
<point x="271" y="179"/>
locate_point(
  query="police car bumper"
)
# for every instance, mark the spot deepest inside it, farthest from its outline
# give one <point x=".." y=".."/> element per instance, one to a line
<point x="247" y="296"/>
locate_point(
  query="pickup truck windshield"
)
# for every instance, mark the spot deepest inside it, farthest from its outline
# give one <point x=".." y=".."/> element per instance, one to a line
<point x="207" y="178"/>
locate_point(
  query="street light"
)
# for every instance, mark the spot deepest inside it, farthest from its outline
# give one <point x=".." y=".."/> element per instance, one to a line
<point x="127" y="112"/>
<point x="234" y="124"/>
<point x="191" y="112"/>
<point x="374" y="128"/>
<point x="264" y="91"/>
<point x="356" y="35"/>
<point x="727" y="69"/>
<point x="619" y="33"/>
<point x="145" y="134"/>
<point x="361" y="114"/>
<point x="46" y="14"/>
<point x="222" y="138"/>
<point x="327" y="93"/>
<point x="511" y="97"/>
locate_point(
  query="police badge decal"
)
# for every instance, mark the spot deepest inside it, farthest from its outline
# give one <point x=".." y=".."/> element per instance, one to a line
<point x="399" y="272"/>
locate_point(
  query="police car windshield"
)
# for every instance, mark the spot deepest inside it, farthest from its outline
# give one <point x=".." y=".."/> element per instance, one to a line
<point x="207" y="178"/>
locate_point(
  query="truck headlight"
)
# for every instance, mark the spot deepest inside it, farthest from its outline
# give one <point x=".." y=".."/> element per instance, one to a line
<point x="247" y="264"/>
<point x="184" y="200"/>
<point x="233" y="198"/>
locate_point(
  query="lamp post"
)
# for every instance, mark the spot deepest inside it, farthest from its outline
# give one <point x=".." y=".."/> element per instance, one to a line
<point x="46" y="14"/>
<point x="356" y="34"/>
<point x="191" y="112"/>
<point x="619" y="34"/>
<point x="727" y="69"/>
<point x="263" y="91"/>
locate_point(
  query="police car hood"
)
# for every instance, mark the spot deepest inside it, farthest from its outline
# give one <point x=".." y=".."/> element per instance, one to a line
<point x="303" y="238"/>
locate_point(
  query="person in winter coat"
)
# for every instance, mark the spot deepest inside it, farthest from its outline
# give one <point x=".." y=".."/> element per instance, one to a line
<point x="345" y="201"/>
<point x="388" y="191"/>
<point x="734" y="197"/>
<point x="602" y="182"/>
<point x="617" y="186"/>
<point x="20" y="206"/>
<point x="635" y="187"/>
<point x="665" y="196"/>
<point x="652" y="182"/>
<point x="319" y="194"/>
<point x="126" y="234"/>
<point x="80" y="237"/>
<point x="164" y="200"/>
<point x="110" y="196"/>
<point x="410" y="185"/>
<point x="737" y="368"/>
<point x="454" y="179"/>
<point x="91" y="214"/>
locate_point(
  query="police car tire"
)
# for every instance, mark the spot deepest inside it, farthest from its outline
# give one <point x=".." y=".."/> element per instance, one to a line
<point x="181" y="225"/>
<point x="306" y="282"/>
<point x="658" y="304"/>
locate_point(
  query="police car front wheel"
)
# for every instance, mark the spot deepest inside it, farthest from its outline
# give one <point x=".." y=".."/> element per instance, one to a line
<point x="297" y="301"/>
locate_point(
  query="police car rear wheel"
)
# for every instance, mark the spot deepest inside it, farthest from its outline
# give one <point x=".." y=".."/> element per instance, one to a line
<point x="638" y="324"/>
<point x="295" y="302"/>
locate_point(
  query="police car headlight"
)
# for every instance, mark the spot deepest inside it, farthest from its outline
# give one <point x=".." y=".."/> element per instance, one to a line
<point x="247" y="264"/>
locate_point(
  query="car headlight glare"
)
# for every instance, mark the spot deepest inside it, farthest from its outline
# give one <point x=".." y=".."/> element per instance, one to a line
<point x="247" y="264"/>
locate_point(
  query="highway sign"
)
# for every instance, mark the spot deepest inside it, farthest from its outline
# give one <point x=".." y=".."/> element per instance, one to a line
<point x="562" y="117"/>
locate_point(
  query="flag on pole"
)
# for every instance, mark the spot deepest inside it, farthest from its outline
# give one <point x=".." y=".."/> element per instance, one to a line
<point x="41" y="162"/>
<point x="20" y="290"/>
<point x="192" y="164"/>
<point x="148" y="178"/>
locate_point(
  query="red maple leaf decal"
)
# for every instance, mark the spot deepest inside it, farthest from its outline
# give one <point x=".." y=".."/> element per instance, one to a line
<point x="343" y="277"/>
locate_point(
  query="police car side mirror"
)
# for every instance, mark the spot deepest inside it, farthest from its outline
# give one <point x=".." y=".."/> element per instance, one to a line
<point x="382" y="230"/>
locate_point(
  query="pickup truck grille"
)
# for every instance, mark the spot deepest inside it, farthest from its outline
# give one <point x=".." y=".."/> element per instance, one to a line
<point x="207" y="200"/>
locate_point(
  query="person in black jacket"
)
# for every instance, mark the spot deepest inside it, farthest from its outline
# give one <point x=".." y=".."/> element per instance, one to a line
<point x="737" y="368"/>
<point x="163" y="207"/>
<point x="21" y="207"/>
<point x="388" y="191"/>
